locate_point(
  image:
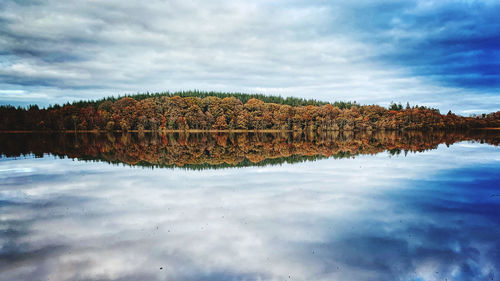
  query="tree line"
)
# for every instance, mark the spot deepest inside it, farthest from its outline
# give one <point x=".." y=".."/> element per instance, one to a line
<point x="226" y="111"/>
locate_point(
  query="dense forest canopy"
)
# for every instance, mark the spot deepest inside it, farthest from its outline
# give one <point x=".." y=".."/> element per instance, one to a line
<point x="231" y="111"/>
<point x="293" y="101"/>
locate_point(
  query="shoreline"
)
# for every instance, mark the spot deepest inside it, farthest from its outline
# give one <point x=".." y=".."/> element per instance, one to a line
<point x="220" y="131"/>
<point x="146" y="131"/>
<point x="488" y="129"/>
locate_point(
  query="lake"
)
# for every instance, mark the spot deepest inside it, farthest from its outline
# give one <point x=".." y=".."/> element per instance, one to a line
<point x="285" y="206"/>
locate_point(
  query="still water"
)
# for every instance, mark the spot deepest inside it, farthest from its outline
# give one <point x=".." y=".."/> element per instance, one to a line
<point x="250" y="207"/>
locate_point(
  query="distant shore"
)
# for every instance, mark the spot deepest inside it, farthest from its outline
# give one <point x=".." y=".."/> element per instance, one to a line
<point x="209" y="131"/>
<point x="226" y="112"/>
<point x="147" y="131"/>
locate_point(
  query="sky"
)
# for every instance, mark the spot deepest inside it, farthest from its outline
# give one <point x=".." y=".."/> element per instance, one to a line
<point x="443" y="54"/>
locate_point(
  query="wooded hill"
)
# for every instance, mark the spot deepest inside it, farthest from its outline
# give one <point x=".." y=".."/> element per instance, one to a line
<point x="231" y="111"/>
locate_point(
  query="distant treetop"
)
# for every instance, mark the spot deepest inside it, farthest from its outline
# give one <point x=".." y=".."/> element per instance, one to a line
<point x="292" y="101"/>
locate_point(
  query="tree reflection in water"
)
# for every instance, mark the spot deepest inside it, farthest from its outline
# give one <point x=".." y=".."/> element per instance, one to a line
<point x="222" y="150"/>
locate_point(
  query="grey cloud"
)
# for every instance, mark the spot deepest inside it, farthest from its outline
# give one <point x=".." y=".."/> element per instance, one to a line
<point x="363" y="50"/>
<point x="451" y="42"/>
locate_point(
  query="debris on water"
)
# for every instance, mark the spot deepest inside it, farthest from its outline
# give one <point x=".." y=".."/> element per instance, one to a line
<point x="161" y="268"/>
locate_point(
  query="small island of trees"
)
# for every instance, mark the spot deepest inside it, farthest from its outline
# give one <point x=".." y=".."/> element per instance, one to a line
<point x="205" y="111"/>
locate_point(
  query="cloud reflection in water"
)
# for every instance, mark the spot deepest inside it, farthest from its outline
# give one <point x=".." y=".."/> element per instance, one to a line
<point x="427" y="216"/>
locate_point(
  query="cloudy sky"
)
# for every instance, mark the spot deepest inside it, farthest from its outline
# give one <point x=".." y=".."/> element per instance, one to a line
<point x="444" y="54"/>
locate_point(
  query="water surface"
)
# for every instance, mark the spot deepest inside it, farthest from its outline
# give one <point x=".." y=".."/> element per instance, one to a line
<point x="250" y="207"/>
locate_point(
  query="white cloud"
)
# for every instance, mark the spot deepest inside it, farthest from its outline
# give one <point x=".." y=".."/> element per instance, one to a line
<point x="55" y="51"/>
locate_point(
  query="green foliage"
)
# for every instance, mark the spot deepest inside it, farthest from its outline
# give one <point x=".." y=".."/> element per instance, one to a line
<point x="292" y="101"/>
<point x="344" y="105"/>
<point x="396" y="107"/>
<point x="244" y="163"/>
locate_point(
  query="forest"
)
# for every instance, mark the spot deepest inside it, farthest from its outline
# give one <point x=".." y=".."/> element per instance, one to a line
<point x="224" y="150"/>
<point x="161" y="112"/>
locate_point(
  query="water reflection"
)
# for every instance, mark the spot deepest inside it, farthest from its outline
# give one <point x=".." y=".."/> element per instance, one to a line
<point x="201" y="151"/>
<point x="426" y="216"/>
